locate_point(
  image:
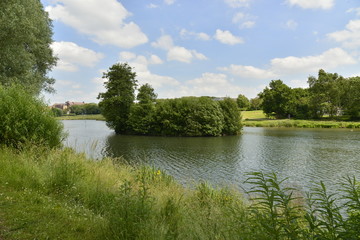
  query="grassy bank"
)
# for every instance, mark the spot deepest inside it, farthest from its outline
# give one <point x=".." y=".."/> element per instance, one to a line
<point x="258" y="119"/>
<point x="98" y="117"/>
<point x="57" y="194"/>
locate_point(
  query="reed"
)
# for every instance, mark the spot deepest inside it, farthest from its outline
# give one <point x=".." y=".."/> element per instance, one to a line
<point x="58" y="194"/>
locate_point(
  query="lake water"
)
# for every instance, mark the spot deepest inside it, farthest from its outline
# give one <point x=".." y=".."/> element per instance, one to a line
<point x="303" y="155"/>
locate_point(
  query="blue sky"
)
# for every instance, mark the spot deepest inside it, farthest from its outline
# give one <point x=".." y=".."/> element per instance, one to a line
<point x="201" y="47"/>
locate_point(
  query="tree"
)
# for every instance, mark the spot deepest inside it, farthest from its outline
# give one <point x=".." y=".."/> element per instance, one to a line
<point x="255" y="103"/>
<point x="25" y="38"/>
<point x="276" y="99"/>
<point x="141" y="116"/>
<point x="146" y="94"/>
<point x="326" y="92"/>
<point x="232" y="117"/>
<point x="243" y="102"/>
<point x="116" y="102"/>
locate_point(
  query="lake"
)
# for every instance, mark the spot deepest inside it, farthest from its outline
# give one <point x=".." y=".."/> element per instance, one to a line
<point x="303" y="155"/>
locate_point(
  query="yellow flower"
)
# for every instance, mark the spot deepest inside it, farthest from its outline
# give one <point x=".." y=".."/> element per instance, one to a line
<point x="158" y="172"/>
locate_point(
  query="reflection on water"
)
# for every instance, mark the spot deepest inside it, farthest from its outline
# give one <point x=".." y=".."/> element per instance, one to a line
<point x="303" y="155"/>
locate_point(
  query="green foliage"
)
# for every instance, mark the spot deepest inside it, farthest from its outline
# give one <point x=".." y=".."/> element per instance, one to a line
<point x="88" y="108"/>
<point x="326" y="92"/>
<point x="146" y="94"/>
<point x="80" y="199"/>
<point x="243" y="102"/>
<point x="255" y="103"/>
<point x="276" y="99"/>
<point x="25" y="38"/>
<point x="116" y="102"/>
<point x="189" y="116"/>
<point x="57" y="112"/>
<point x="232" y="117"/>
<point x="26" y="119"/>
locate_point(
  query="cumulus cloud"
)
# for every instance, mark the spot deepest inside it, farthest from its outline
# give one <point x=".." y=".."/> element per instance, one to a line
<point x="350" y="37"/>
<point x="199" y="36"/>
<point x="169" y="2"/>
<point x="329" y="59"/>
<point x="244" y="20"/>
<point x="238" y="3"/>
<point x="226" y="37"/>
<point x="312" y="4"/>
<point x="71" y="56"/>
<point x="103" y="21"/>
<point x="211" y="84"/>
<point x="141" y="64"/>
<point x="249" y="72"/>
<point x="177" y="53"/>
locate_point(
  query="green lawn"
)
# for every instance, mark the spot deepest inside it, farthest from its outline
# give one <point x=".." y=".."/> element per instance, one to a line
<point x="258" y="119"/>
<point x="248" y="115"/>
<point x="82" y="117"/>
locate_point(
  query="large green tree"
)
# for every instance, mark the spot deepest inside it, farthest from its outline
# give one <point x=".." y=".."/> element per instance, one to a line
<point x="326" y="93"/>
<point x="116" y="102"/>
<point x="276" y="99"/>
<point x="243" y="102"/>
<point x="142" y="114"/>
<point x="25" y="38"/>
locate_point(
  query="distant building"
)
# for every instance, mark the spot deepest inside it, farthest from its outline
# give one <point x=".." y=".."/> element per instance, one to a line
<point x="66" y="105"/>
<point x="69" y="104"/>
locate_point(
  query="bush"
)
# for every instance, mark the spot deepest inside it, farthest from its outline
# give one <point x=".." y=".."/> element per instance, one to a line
<point x="26" y="119"/>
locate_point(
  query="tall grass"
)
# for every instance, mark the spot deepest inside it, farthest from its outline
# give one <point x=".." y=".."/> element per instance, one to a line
<point x="57" y="194"/>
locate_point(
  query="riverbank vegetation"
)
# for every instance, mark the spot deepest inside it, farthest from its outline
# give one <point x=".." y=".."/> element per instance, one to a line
<point x="58" y="194"/>
<point x="97" y="117"/>
<point x="186" y="116"/>
<point x="329" y="94"/>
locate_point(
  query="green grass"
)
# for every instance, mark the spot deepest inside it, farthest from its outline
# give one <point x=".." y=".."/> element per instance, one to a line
<point x="58" y="194"/>
<point x="98" y="117"/>
<point x="257" y="114"/>
<point x="259" y="119"/>
<point x="301" y="123"/>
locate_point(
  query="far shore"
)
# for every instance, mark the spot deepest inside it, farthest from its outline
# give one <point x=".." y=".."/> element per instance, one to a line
<point x="255" y="119"/>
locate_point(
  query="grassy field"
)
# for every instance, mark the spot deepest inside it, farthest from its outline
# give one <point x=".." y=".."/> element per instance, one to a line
<point x="57" y="194"/>
<point x="82" y="117"/>
<point x="258" y="119"/>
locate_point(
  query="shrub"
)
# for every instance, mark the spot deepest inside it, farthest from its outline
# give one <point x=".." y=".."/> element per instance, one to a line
<point x="26" y="119"/>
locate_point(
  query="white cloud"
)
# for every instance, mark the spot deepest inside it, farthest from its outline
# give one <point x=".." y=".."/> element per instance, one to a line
<point x="249" y="72"/>
<point x="165" y="42"/>
<point x="103" y="21"/>
<point x="199" y="36"/>
<point x="182" y="54"/>
<point x="226" y="37"/>
<point x="151" y="5"/>
<point x="313" y="4"/>
<point x="350" y="37"/>
<point x="71" y="56"/>
<point x="248" y="24"/>
<point x="238" y="3"/>
<point x="210" y="84"/>
<point x="141" y="66"/>
<point x="356" y="10"/>
<point x="244" y="20"/>
<point x="177" y="53"/>
<point x="329" y="59"/>
<point x="291" y="65"/>
<point x="169" y="2"/>
<point x="126" y="56"/>
<point x="291" y="24"/>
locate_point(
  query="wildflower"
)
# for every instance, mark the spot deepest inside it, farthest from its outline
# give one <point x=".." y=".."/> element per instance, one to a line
<point x="158" y="172"/>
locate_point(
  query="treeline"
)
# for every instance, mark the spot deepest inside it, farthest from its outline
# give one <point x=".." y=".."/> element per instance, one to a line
<point x="88" y="108"/>
<point x="187" y="116"/>
<point x="328" y="94"/>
